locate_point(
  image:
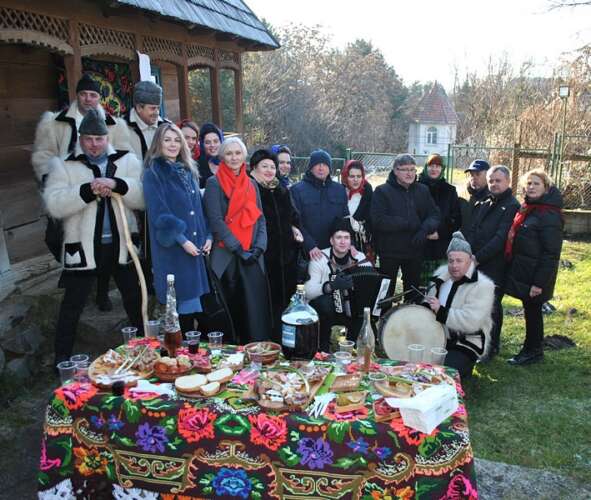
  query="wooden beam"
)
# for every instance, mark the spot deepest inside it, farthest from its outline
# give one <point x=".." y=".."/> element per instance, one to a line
<point x="216" y="97"/>
<point x="73" y="63"/>
<point x="183" y="79"/>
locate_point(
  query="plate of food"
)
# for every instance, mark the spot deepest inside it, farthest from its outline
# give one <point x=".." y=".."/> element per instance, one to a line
<point x="199" y="385"/>
<point x="406" y="381"/>
<point x="346" y="383"/>
<point x="129" y="366"/>
<point x="350" y="401"/>
<point x="282" y="389"/>
<point x="168" y="369"/>
<point x="263" y="352"/>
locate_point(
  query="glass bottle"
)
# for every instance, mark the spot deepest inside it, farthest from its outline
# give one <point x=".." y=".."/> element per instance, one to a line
<point x="366" y="342"/>
<point x="173" y="337"/>
<point x="300" y="328"/>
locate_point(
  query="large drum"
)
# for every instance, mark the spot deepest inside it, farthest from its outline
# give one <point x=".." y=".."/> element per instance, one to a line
<point x="409" y="324"/>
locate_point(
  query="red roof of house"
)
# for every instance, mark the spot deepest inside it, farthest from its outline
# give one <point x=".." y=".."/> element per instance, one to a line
<point x="435" y="107"/>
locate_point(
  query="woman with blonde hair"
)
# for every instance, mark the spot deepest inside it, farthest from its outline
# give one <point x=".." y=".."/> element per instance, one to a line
<point x="234" y="210"/>
<point x="533" y="251"/>
<point x="179" y="232"/>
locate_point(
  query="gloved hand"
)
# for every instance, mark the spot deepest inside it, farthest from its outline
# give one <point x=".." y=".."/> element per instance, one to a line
<point x="419" y="239"/>
<point x="342" y="282"/>
<point x="246" y="257"/>
<point x="256" y="252"/>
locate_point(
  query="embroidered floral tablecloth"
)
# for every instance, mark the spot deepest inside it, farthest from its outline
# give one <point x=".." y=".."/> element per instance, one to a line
<point x="97" y="445"/>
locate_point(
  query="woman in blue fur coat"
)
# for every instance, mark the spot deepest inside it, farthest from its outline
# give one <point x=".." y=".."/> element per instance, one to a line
<point x="179" y="232"/>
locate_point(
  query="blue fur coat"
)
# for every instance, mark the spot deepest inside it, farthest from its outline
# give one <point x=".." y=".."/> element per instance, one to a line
<point x="175" y="215"/>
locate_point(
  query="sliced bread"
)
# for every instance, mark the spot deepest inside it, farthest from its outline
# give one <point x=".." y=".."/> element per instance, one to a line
<point x="222" y="375"/>
<point x="190" y="383"/>
<point x="210" y="389"/>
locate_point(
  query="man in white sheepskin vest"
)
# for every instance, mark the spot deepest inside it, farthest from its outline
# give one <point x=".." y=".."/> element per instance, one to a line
<point x="462" y="300"/>
<point x="78" y="192"/>
<point x="57" y="133"/>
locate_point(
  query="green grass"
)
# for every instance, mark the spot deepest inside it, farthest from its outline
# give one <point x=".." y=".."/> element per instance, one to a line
<point x="540" y="415"/>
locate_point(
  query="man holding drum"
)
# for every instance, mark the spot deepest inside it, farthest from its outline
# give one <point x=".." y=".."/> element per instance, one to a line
<point x="462" y="300"/>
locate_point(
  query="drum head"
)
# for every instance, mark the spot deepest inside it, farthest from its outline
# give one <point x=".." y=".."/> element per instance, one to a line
<point x="410" y="324"/>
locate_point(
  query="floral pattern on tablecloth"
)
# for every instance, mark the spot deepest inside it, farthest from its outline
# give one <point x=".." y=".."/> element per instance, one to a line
<point x="98" y="445"/>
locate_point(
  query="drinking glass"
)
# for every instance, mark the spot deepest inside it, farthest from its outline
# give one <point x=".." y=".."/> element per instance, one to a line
<point x="376" y="378"/>
<point x="79" y="358"/>
<point x="343" y="358"/>
<point x="81" y="374"/>
<point x="346" y="346"/>
<point x="129" y="333"/>
<point x="438" y="355"/>
<point x="416" y="353"/>
<point x="67" y="370"/>
<point x="153" y="328"/>
<point x="193" y="338"/>
<point x="215" y="342"/>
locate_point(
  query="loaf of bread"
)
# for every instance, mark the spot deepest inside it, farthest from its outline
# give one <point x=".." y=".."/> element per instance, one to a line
<point x="190" y="383"/>
<point x="222" y="375"/>
<point x="210" y="389"/>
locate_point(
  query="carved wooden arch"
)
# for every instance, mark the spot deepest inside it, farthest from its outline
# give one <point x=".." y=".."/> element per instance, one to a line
<point x="166" y="57"/>
<point x="36" y="39"/>
<point x="199" y="61"/>
<point x="107" y="50"/>
<point x="229" y="65"/>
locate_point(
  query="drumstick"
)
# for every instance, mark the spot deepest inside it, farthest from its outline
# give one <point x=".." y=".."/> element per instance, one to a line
<point x="134" y="257"/>
<point x="418" y="291"/>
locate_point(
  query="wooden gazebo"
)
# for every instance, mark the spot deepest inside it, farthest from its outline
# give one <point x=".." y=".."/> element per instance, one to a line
<point x="46" y="45"/>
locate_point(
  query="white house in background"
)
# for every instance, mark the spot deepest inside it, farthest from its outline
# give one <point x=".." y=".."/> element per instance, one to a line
<point x="433" y="124"/>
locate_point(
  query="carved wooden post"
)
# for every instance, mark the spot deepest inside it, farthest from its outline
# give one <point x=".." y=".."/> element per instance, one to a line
<point x="73" y="62"/>
<point x="216" y="98"/>
<point x="238" y="96"/>
<point x="183" y="78"/>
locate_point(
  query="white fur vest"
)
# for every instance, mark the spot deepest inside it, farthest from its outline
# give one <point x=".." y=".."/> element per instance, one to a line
<point x="68" y="197"/>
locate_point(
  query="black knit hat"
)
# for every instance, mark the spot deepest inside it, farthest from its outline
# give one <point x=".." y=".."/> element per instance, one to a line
<point x="210" y="128"/>
<point x="87" y="82"/>
<point x="319" y="156"/>
<point x="93" y="124"/>
<point x="341" y="224"/>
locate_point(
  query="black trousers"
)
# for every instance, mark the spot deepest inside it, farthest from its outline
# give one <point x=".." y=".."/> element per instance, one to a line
<point x="328" y="317"/>
<point x="78" y="285"/>
<point x="102" y="286"/>
<point x="534" y="326"/>
<point x="497" y="319"/>
<point x="461" y="361"/>
<point x="411" y="275"/>
<point x="247" y="295"/>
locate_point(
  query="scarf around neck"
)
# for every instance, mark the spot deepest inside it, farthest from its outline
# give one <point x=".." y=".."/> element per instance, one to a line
<point x="243" y="212"/>
<point x="345" y="178"/>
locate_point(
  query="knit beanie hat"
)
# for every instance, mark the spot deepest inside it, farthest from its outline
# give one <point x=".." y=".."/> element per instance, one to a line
<point x="147" y="92"/>
<point x="341" y="224"/>
<point x="319" y="156"/>
<point x="459" y="244"/>
<point x="93" y="124"/>
<point x="88" y="83"/>
<point x="210" y="128"/>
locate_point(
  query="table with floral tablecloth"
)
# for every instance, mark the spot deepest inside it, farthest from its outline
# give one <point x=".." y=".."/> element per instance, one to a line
<point x="97" y="445"/>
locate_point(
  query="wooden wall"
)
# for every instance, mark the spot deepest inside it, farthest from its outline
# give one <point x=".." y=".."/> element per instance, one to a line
<point x="170" y="87"/>
<point x="27" y="88"/>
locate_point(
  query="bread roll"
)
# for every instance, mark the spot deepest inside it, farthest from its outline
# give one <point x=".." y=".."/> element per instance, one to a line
<point x="190" y="383"/>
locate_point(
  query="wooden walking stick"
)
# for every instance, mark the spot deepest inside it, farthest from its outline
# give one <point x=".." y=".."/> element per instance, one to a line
<point x="135" y="258"/>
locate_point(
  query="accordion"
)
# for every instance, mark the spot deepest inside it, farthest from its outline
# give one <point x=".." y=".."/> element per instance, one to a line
<point x="369" y="286"/>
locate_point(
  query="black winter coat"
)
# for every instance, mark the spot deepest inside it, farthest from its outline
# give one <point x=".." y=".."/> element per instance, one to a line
<point x="468" y="207"/>
<point x="446" y="199"/>
<point x="536" y="250"/>
<point x="402" y="218"/>
<point x="488" y="231"/>
<point x="204" y="170"/>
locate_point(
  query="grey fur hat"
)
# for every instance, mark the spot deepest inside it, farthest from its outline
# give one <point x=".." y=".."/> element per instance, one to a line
<point x="147" y="92"/>
<point x="93" y="124"/>
<point x="459" y="244"/>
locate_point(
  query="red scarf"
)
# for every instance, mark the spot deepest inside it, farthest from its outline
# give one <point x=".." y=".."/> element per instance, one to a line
<point x="243" y="212"/>
<point x="518" y="221"/>
<point x="345" y="177"/>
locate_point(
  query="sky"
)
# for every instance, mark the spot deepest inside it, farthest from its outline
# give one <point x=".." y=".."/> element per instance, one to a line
<point x="427" y="40"/>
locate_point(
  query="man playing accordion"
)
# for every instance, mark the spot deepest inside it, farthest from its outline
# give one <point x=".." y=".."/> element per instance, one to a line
<point x="330" y="285"/>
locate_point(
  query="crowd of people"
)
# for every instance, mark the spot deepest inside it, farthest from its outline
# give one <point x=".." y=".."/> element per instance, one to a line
<point x="199" y="207"/>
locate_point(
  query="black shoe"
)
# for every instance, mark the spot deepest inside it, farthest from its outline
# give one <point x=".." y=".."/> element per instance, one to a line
<point x="104" y="304"/>
<point x="526" y="358"/>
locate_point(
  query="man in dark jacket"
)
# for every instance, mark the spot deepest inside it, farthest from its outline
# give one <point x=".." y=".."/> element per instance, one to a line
<point x="319" y="201"/>
<point x="487" y="234"/>
<point x="403" y="214"/>
<point x="477" y="188"/>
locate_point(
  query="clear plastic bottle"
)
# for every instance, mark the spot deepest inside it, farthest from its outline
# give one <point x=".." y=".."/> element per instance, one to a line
<point x="300" y="328"/>
<point x="366" y="342"/>
<point x="173" y="337"/>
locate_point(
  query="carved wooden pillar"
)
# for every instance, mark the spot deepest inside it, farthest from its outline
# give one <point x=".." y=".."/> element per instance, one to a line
<point x="184" y="94"/>
<point x="238" y="96"/>
<point x="216" y="95"/>
<point x="73" y="63"/>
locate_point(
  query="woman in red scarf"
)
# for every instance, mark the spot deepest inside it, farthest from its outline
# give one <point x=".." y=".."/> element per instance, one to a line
<point x="359" y="193"/>
<point x="233" y="207"/>
<point x="533" y="251"/>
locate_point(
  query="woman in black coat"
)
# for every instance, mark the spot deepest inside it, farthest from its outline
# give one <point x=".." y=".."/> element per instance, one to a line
<point x="533" y="251"/>
<point x="283" y="234"/>
<point x="359" y="193"/>
<point x="210" y="140"/>
<point x="446" y="199"/>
